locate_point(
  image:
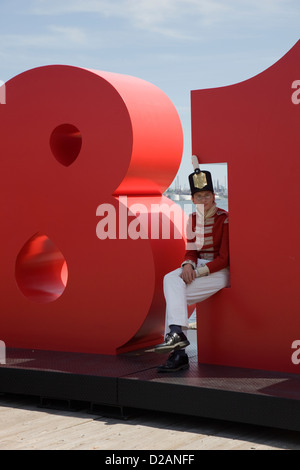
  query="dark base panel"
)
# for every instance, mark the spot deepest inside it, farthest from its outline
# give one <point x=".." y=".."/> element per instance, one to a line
<point x="115" y="384"/>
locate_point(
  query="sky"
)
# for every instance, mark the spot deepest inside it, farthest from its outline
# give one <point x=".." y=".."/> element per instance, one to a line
<point x="178" y="45"/>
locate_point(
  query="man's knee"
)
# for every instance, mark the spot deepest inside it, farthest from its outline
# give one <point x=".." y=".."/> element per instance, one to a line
<point x="167" y="278"/>
<point x="171" y="276"/>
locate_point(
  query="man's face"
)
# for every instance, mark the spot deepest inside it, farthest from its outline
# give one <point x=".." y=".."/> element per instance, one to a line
<point x="206" y="198"/>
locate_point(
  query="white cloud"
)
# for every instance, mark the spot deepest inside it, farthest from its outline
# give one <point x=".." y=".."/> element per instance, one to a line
<point x="72" y="35"/>
<point x="54" y="36"/>
<point x="176" y="18"/>
<point x="144" y="13"/>
<point x="152" y="11"/>
<point x="102" y="7"/>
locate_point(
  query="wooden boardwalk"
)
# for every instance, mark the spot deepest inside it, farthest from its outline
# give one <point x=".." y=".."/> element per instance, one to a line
<point x="24" y="425"/>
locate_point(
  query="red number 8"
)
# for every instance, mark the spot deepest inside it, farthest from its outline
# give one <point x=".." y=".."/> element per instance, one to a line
<point x="71" y="140"/>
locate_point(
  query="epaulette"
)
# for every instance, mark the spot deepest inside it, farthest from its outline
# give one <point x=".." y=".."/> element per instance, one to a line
<point x="223" y="212"/>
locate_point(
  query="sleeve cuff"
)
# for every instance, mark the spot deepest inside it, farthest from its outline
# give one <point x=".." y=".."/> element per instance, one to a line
<point x="189" y="261"/>
<point x="202" y="271"/>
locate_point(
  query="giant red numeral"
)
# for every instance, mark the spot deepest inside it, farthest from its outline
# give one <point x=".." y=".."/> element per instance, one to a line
<point x="72" y="140"/>
<point x="254" y="127"/>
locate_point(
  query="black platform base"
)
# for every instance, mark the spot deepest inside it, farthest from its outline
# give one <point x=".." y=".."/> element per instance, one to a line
<point x="130" y="381"/>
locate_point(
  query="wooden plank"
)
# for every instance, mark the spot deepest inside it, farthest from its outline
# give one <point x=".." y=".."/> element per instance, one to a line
<point x="25" y="426"/>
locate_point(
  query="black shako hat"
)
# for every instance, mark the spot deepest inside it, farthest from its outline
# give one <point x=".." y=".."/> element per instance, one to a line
<point x="200" y="180"/>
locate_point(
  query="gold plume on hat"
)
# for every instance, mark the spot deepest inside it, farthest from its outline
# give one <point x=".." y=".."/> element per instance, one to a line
<point x="199" y="178"/>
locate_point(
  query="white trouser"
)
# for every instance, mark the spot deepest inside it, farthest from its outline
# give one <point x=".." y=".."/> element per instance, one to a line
<point x="178" y="294"/>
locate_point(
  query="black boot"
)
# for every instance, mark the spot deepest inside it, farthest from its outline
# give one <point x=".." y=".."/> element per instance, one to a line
<point x="172" y="341"/>
<point x="178" y="360"/>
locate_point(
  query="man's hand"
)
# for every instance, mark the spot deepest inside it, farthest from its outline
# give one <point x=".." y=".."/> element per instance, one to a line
<point x="188" y="274"/>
